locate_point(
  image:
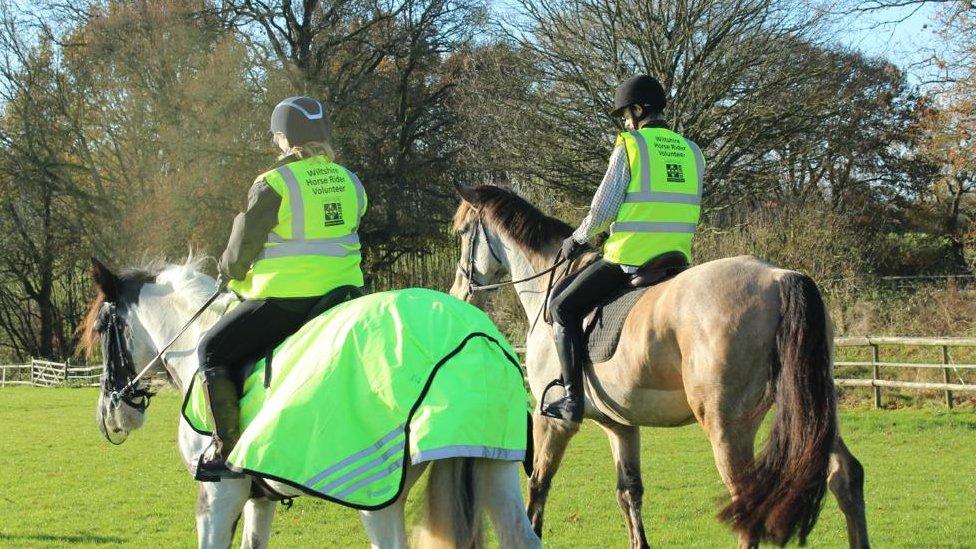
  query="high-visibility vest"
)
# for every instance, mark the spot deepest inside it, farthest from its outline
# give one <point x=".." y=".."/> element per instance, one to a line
<point x="314" y="248"/>
<point x="663" y="203"/>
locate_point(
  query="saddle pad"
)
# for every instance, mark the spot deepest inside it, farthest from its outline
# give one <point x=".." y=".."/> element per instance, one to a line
<point x="603" y="326"/>
<point x="374" y="385"/>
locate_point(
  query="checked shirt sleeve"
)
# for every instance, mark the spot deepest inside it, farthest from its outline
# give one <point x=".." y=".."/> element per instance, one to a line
<point x="608" y="198"/>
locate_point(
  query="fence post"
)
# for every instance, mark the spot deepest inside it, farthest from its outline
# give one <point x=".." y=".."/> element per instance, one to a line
<point x="32" y="371"/>
<point x="945" y="375"/>
<point x="874" y="374"/>
<point x="66" y="372"/>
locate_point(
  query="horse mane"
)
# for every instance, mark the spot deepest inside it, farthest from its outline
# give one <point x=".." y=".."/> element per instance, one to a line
<point x="510" y="214"/>
<point x="184" y="277"/>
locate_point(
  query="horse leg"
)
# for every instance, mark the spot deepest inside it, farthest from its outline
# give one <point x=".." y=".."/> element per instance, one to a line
<point x="846" y="481"/>
<point x="625" y="445"/>
<point x="732" y="439"/>
<point x="550" y="437"/>
<point x="506" y="506"/>
<point x="219" y="507"/>
<point x="258" y="514"/>
<point x="387" y="527"/>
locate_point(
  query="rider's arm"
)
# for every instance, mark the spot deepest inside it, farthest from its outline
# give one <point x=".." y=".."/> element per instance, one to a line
<point x="250" y="230"/>
<point x="608" y="198"/>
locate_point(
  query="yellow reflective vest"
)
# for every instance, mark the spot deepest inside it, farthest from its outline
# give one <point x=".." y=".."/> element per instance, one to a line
<point x="663" y="202"/>
<point x="314" y="248"/>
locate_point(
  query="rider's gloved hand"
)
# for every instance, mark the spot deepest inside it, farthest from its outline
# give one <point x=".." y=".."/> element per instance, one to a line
<point x="572" y="249"/>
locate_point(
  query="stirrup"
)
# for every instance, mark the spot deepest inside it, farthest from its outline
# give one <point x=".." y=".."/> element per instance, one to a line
<point x="210" y="469"/>
<point x="564" y="409"/>
<point x="214" y="473"/>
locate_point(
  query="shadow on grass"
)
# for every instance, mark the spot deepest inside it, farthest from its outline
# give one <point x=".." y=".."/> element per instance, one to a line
<point x="63" y="538"/>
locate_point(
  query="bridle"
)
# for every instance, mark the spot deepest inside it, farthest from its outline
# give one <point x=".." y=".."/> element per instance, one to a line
<point x="118" y="361"/>
<point x="468" y="270"/>
<point x="120" y="368"/>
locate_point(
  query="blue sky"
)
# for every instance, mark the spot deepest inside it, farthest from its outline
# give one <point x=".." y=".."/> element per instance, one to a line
<point x="903" y="35"/>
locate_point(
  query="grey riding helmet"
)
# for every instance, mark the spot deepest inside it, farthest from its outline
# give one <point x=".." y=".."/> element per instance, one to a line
<point x="302" y="120"/>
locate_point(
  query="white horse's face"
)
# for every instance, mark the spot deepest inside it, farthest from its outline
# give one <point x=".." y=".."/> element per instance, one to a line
<point x="122" y="360"/>
<point x="480" y="263"/>
<point x="126" y="347"/>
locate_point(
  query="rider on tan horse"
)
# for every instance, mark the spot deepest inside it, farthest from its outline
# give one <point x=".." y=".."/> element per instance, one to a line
<point x="650" y="200"/>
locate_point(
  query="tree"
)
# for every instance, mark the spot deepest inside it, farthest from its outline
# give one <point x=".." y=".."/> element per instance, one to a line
<point x="46" y="199"/>
<point x="738" y="74"/>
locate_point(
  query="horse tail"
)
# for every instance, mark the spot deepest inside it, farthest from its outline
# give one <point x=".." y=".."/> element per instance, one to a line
<point x="454" y="505"/>
<point x="780" y="494"/>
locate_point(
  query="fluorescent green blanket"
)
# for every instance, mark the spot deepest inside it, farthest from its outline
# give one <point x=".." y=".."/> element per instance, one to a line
<point x="373" y="385"/>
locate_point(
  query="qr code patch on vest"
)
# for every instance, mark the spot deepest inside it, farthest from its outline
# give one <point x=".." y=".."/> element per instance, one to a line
<point x="333" y="214"/>
<point x="675" y="173"/>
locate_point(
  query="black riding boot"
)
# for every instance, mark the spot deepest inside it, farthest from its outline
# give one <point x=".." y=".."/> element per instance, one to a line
<point x="569" y="347"/>
<point x="223" y="406"/>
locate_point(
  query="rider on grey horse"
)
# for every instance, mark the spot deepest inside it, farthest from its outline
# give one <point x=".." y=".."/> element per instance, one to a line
<point x="650" y="200"/>
<point x="296" y="242"/>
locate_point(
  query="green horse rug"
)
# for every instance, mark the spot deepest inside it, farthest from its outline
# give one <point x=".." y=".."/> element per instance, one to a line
<point x="374" y="385"/>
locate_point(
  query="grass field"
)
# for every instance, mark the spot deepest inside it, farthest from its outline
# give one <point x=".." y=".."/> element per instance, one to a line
<point x="62" y="484"/>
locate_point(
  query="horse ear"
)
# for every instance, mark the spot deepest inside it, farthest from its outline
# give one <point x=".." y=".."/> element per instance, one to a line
<point x="105" y="280"/>
<point x="468" y="194"/>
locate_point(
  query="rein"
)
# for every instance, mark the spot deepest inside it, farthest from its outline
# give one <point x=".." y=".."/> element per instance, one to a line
<point x="475" y="286"/>
<point x="130" y="390"/>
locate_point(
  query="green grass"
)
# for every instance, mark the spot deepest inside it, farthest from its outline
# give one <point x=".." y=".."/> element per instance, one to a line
<point x="62" y="484"/>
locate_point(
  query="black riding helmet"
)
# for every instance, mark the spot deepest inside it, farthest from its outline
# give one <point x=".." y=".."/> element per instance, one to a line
<point x="639" y="90"/>
<point x="302" y="120"/>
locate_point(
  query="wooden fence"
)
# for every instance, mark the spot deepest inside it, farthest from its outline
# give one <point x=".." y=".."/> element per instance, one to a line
<point x="950" y="370"/>
<point x="44" y="373"/>
<point x="47" y="374"/>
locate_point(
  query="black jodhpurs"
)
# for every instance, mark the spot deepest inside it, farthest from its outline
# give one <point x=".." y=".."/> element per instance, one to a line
<point x="593" y="285"/>
<point x="248" y="330"/>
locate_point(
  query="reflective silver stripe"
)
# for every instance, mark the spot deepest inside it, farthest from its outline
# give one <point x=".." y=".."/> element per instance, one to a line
<point x="487" y="452"/>
<point x="371" y="449"/>
<point x="290" y="249"/>
<point x="351" y="475"/>
<point x="700" y="162"/>
<point x="645" y="161"/>
<point x="296" y="202"/>
<point x="652" y="227"/>
<point x="394" y="467"/>
<point x="348" y="240"/>
<point x="667" y="198"/>
<point x="360" y="194"/>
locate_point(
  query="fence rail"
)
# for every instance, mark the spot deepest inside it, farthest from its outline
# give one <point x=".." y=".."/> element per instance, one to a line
<point x="45" y="373"/>
<point x="876" y="364"/>
<point x="947" y="366"/>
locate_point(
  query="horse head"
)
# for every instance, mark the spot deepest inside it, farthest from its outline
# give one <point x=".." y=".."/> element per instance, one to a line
<point x="112" y="327"/>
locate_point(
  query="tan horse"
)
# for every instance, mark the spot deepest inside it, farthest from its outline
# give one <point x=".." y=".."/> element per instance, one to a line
<point x="718" y="344"/>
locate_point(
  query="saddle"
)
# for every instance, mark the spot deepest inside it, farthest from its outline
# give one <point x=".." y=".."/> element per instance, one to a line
<point x="603" y="325"/>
